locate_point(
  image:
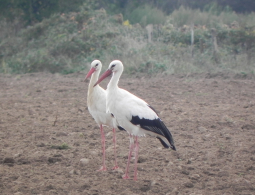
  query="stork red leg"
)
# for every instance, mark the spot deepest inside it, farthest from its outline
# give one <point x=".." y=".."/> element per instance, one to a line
<point x="136" y="156"/>
<point x="114" y="142"/>
<point x="131" y="147"/>
<point x="103" y="168"/>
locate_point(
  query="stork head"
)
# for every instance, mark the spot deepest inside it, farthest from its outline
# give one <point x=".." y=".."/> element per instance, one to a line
<point x="114" y="67"/>
<point x="96" y="65"/>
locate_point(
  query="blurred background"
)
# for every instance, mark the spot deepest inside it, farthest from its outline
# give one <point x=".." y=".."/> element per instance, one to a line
<point x="152" y="37"/>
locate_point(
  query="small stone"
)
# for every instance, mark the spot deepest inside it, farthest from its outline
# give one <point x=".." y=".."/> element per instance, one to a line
<point x="54" y="159"/>
<point x="93" y="152"/>
<point x="109" y="149"/>
<point x="194" y="177"/>
<point x="145" y="188"/>
<point x="250" y="168"/>
<point x="202" y="129"/>
<point x="175" y="191"/>
<point x="142" y="159"/>
<point x="208" y="135"/>
<point x="84" y="161"/>
<point x="118" y="170"/>
<point x="223" y="174"/>
<point x="140" y="168"/>
<point x="185" y="172"/>
<point x="74" y="172"/>
<point x="18" y="193"/>
<point x="190" y="168"/>
<point x="61" y="134"/>
<point x="17" y="155"/>
<point x="189" y="185"/>
<point x="78" y="172"/>
<point x="170" y="163"/>
<point x="153" y="182"/>
<point x="40" y="145"/>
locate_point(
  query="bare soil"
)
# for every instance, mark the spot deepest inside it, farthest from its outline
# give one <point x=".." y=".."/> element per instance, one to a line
<point x="49" y="143"/>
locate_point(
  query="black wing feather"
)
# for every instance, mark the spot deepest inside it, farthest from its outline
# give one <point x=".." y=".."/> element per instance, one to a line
<point x="156" y="126"/>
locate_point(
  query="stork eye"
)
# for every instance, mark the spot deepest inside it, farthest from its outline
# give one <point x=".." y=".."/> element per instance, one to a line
<point x="113" y="66"/>
<point x="96" y="65"/>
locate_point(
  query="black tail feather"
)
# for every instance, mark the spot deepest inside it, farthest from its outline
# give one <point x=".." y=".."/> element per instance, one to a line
<point x="121" y="128"/>
<point x="156" y="126"/>
<point x="168" y="135"/>
<point x="165" y="145"/>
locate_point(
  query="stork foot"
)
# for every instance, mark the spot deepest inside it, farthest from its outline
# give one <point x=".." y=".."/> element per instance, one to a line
<point x="115" y="167"/>
<point x="125" y="176"/>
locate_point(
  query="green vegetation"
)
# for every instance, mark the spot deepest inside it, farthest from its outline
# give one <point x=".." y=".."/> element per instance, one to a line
<point x="145" y="15"/>
<point x="68" y="42"/>
<point x="63" y="146"/>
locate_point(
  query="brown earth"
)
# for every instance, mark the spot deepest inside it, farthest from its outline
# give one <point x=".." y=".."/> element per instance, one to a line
<point x="46" y="129"/>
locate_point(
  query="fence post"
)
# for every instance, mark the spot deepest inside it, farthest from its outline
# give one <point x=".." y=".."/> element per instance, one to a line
<point x="192" y="39"/>
<point x="149" y="29"/>
<point x="201" y="45"/>
<point x="216" y="55"/>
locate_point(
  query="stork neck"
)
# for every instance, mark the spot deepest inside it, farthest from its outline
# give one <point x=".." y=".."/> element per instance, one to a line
<point x="94" y="78"/>
<point x="114" y="80"/>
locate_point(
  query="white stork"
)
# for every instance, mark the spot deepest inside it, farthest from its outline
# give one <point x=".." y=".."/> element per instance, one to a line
<point x="96" y="101"/>
<point x="136" y="116"/>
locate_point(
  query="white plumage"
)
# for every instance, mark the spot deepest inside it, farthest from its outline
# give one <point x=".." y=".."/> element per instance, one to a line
<point x="125" y="105"/>
<point x="96" y="101"/>
<point x="136" y="116"/>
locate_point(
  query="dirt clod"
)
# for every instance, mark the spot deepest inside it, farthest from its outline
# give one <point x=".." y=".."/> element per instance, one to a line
<point x="189" y="185"/>
<point x="8" y="160"/>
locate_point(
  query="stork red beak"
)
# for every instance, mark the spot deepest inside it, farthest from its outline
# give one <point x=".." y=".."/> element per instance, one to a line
<point x="91" y="71"/>
<point x="103" y="76"/>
